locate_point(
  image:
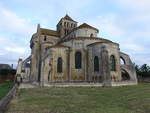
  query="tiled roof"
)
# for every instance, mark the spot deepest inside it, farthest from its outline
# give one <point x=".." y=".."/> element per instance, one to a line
<point x="68" y="18"/>
<point x="85" y="25"/>
<point x="102" y="40"/>
<point x="58" y="46"/>
<point x="49" y="32"/>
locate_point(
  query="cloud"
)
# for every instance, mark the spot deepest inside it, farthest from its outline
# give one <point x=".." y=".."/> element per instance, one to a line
<point x="123" y="21"/>
<point x="10" y="22"/>
<point x="15" y="34"/>
<point x="138" y="5"/>
<point x="132" y="33"/>
<point x="15" y="50"/>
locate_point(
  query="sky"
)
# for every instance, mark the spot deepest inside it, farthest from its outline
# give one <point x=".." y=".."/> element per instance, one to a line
<point x="126" y="22"/>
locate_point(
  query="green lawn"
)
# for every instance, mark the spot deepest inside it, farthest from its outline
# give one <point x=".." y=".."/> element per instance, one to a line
<point x="127" y="99"/>
<point x="4" y="88"/>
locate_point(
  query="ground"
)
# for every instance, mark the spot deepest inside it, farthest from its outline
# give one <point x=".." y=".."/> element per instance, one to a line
<point x="125" y="99"/>
<point x="4" y="88"/>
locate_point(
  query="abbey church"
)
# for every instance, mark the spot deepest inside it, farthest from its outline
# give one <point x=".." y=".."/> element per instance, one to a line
<point x="75" y="54"/>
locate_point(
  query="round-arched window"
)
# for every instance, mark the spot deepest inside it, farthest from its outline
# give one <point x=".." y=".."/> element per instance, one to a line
<point x="96" y="64"/>
<point x="112" y="63"/>
<point x="59" y="65"/>
<point x="78" y="60"/>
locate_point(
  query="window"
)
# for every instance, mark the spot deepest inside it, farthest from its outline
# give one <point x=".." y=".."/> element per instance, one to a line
<point x="78" y="60"/>
<point x="59" y="65"/>
<point x="96" y="64"/>
<point x="112" y="63"/>
<point x="91" y="35"/>
<point x="65" y="24"/>
<point x="45" y="38"/>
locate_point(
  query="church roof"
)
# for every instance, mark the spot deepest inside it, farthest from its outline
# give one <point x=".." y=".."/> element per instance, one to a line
<point x="68" y="18"/>
<point x="59" y="46"/>
<point x="102" y="40"/>
<point x="99" y="43"/>
<point x="85" y="25"/>
<point x="49" y="32"/>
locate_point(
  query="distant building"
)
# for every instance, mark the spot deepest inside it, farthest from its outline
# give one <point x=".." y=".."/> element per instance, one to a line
<point x="5" y="66"/>
<point x="73" y="53"/>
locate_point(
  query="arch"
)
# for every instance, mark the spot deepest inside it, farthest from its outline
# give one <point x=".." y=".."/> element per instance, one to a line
<point x="122" y="61"/>
<point x="125" y="75"/>
<point x="112" y="63"/>
<point x="96" y="64"/>
<point x="59" y="65"/>
<point x="78" y="60"/>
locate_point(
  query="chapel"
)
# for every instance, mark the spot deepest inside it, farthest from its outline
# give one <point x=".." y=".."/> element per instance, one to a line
<point x="75" y="54"/>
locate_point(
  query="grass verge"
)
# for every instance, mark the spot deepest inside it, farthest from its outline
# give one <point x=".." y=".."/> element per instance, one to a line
<point x="4" y="88"/>
<point x="126" y="99"/>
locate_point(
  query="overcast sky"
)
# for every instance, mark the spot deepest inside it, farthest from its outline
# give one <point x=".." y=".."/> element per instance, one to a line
<point x="126" y="22"/>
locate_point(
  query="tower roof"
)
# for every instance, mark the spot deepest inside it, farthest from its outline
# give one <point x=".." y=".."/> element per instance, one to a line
<point x="68" y="18"/>
<point x="85" y="25"/>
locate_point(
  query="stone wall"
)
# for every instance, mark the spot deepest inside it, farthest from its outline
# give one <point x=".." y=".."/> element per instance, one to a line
<point x="5" y="101"/>
<point x="97" y="49"/>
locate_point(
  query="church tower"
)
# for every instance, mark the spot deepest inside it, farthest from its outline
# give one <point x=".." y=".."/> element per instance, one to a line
<point x="66" y="25"/>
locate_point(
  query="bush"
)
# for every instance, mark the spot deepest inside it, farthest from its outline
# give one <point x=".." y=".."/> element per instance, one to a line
<point x="7" y="72"/>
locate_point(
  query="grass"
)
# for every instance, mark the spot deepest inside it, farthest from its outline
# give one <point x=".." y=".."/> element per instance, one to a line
<point x="4" y="88"/>
<point x="127" y="99"/>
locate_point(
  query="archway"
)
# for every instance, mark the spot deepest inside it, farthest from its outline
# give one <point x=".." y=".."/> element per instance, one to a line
<point x="122" y="61"/>
<point x="125" y="75"/>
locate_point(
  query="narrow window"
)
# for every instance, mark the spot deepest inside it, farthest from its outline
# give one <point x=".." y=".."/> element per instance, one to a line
<point x="96" y="64"/>
<point x="45" y="38"/>
<point x="59" y="65"/>
<point x="78" y="60"/>
<point x="65" y="24"/>
<point x="91" y="35"/>
<point x="112" y="63"/>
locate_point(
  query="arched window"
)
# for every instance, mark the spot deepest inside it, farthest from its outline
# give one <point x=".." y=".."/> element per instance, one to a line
<point x="65" y="24"/>
<point x="91" y="35"/>
<point x="96" y="64"/>
<point x="45" y="38"/>
<point x="59" y="65"/>
<point x="78" y="60"/>
<point x="112" y="63"/>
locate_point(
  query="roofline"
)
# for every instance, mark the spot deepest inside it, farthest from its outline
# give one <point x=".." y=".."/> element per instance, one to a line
<point x="89" y="38"/>
<point x="77" y="29"/>
<point x="58" y="46"/>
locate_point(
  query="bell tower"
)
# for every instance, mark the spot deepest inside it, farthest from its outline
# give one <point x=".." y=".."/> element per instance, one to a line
<point x="66" y="25"/>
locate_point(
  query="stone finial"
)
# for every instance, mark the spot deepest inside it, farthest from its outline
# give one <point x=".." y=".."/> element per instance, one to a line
<point x="38" y="27"/>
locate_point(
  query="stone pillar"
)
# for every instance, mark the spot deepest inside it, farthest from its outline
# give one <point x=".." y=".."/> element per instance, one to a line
<point x="105" y="67"/>
<point x="19" y="66"/>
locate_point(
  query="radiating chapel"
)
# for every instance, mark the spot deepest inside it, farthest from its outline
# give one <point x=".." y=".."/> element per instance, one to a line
<point x="75" y="54"/>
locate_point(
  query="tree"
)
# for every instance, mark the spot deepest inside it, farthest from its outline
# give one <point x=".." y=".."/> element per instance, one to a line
<point x="142" y="71"/>
<point x="145" y="70"/>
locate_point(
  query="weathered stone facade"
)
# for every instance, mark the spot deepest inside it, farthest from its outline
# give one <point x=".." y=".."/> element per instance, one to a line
<point x="75" y="54"/>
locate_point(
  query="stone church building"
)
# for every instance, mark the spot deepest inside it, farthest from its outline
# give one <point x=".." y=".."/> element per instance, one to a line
<point x="74" y="54"/>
